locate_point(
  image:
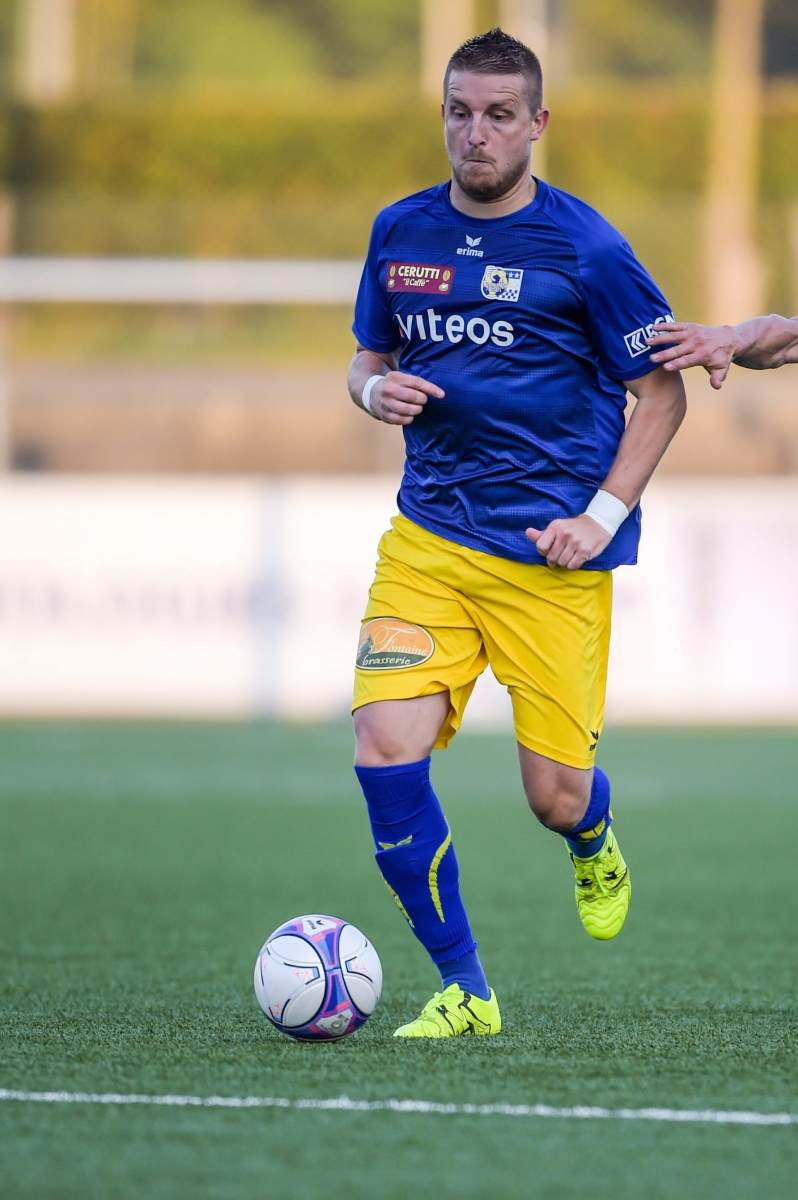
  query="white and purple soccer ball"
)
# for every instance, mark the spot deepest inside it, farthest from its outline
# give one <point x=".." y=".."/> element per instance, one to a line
<point x="318" y="978"/>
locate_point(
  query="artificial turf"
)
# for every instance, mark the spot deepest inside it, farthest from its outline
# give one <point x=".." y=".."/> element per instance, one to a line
<point x="144" y="865"/>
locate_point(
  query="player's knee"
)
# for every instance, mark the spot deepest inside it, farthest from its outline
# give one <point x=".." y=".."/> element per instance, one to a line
<point x="556" y="805"/>
<point x="557" y="794"/>
<point x="392" y="732"/>
<point x="379" y="743"/>
<point x="378" y="748"/>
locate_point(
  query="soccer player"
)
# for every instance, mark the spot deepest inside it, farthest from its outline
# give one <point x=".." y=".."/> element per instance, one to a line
<point x="501" y="322"/>
<point x="761" y="344"/>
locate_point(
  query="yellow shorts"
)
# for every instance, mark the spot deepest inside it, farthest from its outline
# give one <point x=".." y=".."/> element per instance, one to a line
<point x="439" y="613"/>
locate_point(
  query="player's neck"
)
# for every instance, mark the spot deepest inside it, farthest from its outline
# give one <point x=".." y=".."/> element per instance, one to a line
<point x="517" y="198"/>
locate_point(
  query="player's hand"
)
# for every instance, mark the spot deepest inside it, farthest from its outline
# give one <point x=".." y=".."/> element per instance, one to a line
<point x="570" y="542"/>
<point x="397" y="398"/>
<point x="696" y="346"/>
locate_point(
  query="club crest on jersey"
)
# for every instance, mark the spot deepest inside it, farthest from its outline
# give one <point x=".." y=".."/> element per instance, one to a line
<point x="419" y="277"/>
<point x="502" y="283"/>
<point x="388" y="644"/>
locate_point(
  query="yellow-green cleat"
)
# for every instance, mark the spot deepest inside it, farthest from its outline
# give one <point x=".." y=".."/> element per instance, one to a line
<point x="603" y="890"/>
<point x="453" y="1013"/>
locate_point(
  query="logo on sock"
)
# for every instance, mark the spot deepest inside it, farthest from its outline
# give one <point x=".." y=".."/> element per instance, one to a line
<point x="589" y="835"/>
<point x="388" y="644"/>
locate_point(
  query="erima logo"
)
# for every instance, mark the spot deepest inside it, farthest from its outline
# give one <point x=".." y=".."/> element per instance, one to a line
<point x="470" y="247"/>
<point x="477" y="330"/>
<point x="636" y="341"/>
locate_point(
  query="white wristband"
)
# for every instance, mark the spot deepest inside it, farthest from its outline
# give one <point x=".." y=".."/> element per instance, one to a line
<point x="608" y="511"/>
<point x="366" y="397"/>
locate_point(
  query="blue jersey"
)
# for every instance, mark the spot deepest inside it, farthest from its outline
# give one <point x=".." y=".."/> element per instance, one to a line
<point x="529" y="323"/>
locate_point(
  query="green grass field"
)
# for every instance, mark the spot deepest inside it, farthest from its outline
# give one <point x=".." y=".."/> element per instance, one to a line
<point x="143" y="866"/>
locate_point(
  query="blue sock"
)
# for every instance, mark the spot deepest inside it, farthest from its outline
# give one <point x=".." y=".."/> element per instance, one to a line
<point x="467" y="972"/>
<point x="416" y="858"/>
<point x="587" y="838"/>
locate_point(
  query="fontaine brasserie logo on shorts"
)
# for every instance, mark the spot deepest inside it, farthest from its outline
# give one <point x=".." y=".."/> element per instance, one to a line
<point x="387" y="644"/>
<point x="419" y="277"/>
<point x="502" y="283"/>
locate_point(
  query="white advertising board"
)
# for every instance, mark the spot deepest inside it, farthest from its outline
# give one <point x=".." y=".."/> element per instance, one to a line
<point x="219" y="597"/>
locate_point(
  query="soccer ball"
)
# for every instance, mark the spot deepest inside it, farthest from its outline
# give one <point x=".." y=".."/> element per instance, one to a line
<point x="318" y="978"/>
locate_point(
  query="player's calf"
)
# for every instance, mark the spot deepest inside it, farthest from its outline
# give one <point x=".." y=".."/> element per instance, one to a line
<point x="556" y="794"/>
<point x="416" y="857"/>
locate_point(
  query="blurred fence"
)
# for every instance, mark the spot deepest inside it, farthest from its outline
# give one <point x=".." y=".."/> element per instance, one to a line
<point x="239" y="598"/>
<point x="179" y="281"/>
<point x="166" y="417"/>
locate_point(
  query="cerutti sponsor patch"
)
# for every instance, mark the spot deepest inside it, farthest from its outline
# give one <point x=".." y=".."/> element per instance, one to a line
<point x="419" y="277"/>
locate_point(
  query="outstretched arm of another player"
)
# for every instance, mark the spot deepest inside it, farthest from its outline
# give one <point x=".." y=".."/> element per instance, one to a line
<point x="395" y="398"/>
<point x="661" y="405"/>
<point x="761" y="344"/>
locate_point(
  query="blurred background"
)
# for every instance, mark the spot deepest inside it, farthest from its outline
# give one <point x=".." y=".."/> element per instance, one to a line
<point x="190" y="505"/>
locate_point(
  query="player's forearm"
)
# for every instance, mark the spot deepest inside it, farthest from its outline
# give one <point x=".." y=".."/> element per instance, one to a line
<point x="661" y="405"/>
<point x="364" y="365"/>
<point x="767" y="342"/>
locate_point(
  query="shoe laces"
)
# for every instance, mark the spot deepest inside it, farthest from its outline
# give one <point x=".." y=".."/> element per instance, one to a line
<point x="431" y="1007"/>
<point x="456" y="1015"/>
<point x="603" y="873"/>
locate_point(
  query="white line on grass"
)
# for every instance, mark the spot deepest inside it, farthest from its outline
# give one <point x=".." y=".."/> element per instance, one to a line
<point x="343" y="1103"/>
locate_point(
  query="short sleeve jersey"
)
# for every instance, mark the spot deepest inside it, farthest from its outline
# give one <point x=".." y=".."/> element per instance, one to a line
<point x="529" y="323"/>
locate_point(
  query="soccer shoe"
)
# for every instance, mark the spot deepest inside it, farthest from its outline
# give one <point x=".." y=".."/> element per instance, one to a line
<point x="603" y="890"/>
<point x="452" y="1013"/>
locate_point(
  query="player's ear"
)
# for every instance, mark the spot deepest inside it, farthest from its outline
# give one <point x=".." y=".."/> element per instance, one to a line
<point x="539" y="123"/>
